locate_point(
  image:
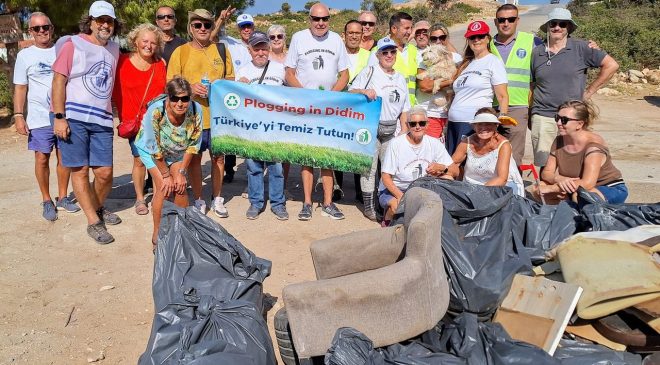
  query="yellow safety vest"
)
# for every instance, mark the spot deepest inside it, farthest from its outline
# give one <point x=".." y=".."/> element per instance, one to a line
<point x="518" y="68"/>
<point x="362" y="61"/>
<point x="407" y="68"/>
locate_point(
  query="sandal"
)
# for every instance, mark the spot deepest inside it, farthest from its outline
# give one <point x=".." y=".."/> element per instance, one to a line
<point x="141" y="207"/>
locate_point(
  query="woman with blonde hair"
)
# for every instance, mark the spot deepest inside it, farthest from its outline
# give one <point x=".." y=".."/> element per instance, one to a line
<point x="277" y="35"/>
<point x="140" y="77"/>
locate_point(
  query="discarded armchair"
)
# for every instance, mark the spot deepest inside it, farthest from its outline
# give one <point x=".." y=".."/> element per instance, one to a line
<point x="390" y="284"/>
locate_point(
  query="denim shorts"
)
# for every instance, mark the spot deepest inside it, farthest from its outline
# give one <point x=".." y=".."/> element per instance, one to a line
<point x="42" y="140"/>
<point x="88" y="144"/>
<point x="134" y="150"/>
<point x="615" y="194"/>
<point x="206" y="140"/>
<point x="384" y="197"/>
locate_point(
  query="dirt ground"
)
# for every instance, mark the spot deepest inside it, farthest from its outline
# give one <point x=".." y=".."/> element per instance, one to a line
<point x="50" y="273"/>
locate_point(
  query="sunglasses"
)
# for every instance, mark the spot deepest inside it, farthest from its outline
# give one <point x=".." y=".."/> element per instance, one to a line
<point x="365" y="23"/>
<point x="563" y="120"/>
<point x="477" y="36"/>
<point x="421" y="123"/>
<point x="320" y="18"/>
<point x="388" y="52"/>
<point x="166" y="16"/>
<point x="555" y="23"/>
<point x="105" y="19"/>
<point x="421" y="32"/>
<point x="440" y="38"/>
<point x="511" y="19"/>
<point x="200" y="25"/>
<point x="276" y="36"/>
<point x="38" y="28"/>
<point x="176" y="99"/>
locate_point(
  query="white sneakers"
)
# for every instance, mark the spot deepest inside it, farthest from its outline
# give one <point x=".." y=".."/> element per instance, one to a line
<point x="219" y="207"/>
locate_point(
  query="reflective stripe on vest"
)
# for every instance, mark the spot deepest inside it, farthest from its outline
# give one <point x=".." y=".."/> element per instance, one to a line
<point x="518" y="66"/>
<point x="408" y="70"/>
<point x="362" y="61"/>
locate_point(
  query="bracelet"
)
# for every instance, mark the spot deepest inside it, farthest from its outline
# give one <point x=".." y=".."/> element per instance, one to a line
<point x="165" y="174"/>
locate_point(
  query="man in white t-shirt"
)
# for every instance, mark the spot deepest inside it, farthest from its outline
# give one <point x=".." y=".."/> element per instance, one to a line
<point x="382" y="81"/>
<point x="409" y="157"/>
<point x="33" y="77"/>
<point x="261" y="71"/>
<point x="317" y="59"/>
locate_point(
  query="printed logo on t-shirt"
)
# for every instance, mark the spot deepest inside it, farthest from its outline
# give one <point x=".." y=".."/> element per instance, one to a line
<point x="43" y="69"/>
<point x="97" y="80"/>
<point x="395" y="97"/>
<point x="318" y="63"/>
<point x="521" y="53"/>
<point x="418" y="171"/>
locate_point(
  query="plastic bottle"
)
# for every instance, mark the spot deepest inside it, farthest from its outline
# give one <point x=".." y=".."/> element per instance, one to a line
<point x="206" y="82"/>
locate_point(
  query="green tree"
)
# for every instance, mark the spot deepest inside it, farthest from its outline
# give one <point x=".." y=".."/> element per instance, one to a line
<point x="286" y="8"/>
<point x="309" y="4"/>
<point x="65" y="14"/>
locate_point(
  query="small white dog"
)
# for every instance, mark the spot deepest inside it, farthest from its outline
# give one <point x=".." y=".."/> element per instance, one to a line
<point x="439" y="67"/>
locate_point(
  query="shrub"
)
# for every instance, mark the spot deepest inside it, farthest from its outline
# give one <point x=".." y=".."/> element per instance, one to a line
<point x="5" y="91"/>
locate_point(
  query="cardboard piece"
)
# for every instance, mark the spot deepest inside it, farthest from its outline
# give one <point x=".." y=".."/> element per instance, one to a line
<point x="588" y="332"/>
<point x="537" y="310"/>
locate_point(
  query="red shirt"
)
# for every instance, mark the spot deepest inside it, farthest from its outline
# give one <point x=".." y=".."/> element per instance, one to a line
<point x="130" y="84"/>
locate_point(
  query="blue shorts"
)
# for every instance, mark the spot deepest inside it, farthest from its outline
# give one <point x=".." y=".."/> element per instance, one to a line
<point x="88" y="144"/>
<point x="134" y="150"/>
<point x="42" y="140"/>
<point x="384" y="197"/>
<point x="206" y="140"/>
<point x="615" y="194"/>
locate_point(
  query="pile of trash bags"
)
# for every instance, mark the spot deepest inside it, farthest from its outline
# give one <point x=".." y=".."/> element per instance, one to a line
<point x="208" y="296"/>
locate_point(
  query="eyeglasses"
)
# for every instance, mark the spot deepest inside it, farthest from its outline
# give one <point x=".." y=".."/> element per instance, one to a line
<point x="511" y="19"/>
<point x="477" y="36"/>
<point x="388" y="52"/>
<point x="105" y="20"/>
<point x="176" y="99"/>
<point x="276" y="36"/>
<point x="421" y="123"/>
<point x="370" y="24"/>
<point x="562" y="119"/>
<point x="440" y="38"/>
<point x="561" y="24"/>
<point x="246" y="26"/>
<point x="168" y="16"/>
<point x="320" y="18"/>
<point x="200" y="25"/>
<point x="38" y="28"/>
<point x="421" y="32"/>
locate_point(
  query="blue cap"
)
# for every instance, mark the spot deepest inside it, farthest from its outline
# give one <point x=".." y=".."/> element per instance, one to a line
<point x="386" y="42"/>
<point x="244" y="19"/>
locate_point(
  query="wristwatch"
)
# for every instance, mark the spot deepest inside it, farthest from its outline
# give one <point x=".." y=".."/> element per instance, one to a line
<point x="59" y="115"/>
<point x="183" y="172"/>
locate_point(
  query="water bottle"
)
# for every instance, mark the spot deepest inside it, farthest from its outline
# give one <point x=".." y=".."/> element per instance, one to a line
<point x="207" y="83"/>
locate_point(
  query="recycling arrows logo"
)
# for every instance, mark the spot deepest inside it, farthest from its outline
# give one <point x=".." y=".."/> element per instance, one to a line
<point x="232" y="101"/>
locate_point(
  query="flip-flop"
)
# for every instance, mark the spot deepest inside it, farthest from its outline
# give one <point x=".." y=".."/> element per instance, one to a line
<point x="141" y="207"/>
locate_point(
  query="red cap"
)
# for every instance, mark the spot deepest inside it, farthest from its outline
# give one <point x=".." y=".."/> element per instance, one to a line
<point x="476" y="28"/>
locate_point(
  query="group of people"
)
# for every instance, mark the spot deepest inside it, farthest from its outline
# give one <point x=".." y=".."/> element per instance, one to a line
<point x="161" y="92"/>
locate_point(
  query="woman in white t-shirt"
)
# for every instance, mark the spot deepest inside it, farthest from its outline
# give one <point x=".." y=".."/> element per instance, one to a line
<point x="487" y="155"/>
<point x="409" y="157"/>
<point x="277" y="35"/>
<point x="480" y="75"/>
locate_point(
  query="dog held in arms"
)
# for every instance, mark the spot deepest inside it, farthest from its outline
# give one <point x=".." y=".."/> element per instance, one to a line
<point x="439" y="67"/>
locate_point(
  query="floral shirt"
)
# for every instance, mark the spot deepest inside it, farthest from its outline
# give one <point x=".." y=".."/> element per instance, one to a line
<point x="163" y="140"/>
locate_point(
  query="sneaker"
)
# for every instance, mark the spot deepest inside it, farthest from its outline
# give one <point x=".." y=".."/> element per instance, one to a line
<point x="252" y="212"/>
<point x="99" y="233"/>
<point x="49" y="211"/>
<point x="67" y="205"/>
<point x="219" y="207"/>
<point x="332" y="211"/>
<point x="108" y="217"/>
<point x="305" y="213"/>
<point x="200" y="205"/>
<point x="280" y="212"/>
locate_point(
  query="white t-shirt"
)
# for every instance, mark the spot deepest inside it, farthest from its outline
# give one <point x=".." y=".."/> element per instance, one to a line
<point x="391" y="88"/>
<point x="240" y="55"/>
<point x="407" y="162"/>
<point x="317" y="60"/>
<point x="274" y="74"/>
<point x="424" y="99"/>
<point x="34" y="68"/>
<point x="473" y="88"/>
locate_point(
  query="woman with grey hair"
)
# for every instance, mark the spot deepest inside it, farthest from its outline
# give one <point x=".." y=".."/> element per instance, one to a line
<point x="141" y="76"/>
<point x="168" y="139"/>
<point x="277" y="35"/>
<point x="409" y="157"/>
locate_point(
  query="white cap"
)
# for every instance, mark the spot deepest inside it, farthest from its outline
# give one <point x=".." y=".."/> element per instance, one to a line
<point x="102" y="8"/>
<point x="485" y="118"/>
<point x="244" y="19"/>
<point x="385" y="43"/>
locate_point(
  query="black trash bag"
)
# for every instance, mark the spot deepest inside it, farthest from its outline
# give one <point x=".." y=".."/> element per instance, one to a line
<point x="572" y="352"/>
<point x="602" y="216"/>
<point x="483" y="343"/>
<point x="197" y="258"/>
<point x="418" y="353"/>
<point x="481" y="253"/>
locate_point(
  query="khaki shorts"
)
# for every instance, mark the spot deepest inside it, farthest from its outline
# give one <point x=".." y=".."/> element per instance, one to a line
<point x="544" y="132"/>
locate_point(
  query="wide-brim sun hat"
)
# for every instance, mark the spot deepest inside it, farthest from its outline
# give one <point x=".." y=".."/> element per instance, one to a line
<point x="477" y="28"/>
<point x="485" y="118"/>
<point x="559" y="14"/>
<point x="200" y="14"/>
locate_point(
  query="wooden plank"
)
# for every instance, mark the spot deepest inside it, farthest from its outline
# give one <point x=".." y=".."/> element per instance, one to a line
<point x="544" y="298"/>
<point x="518" y="326"/>
<point x="587" y="331"/>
